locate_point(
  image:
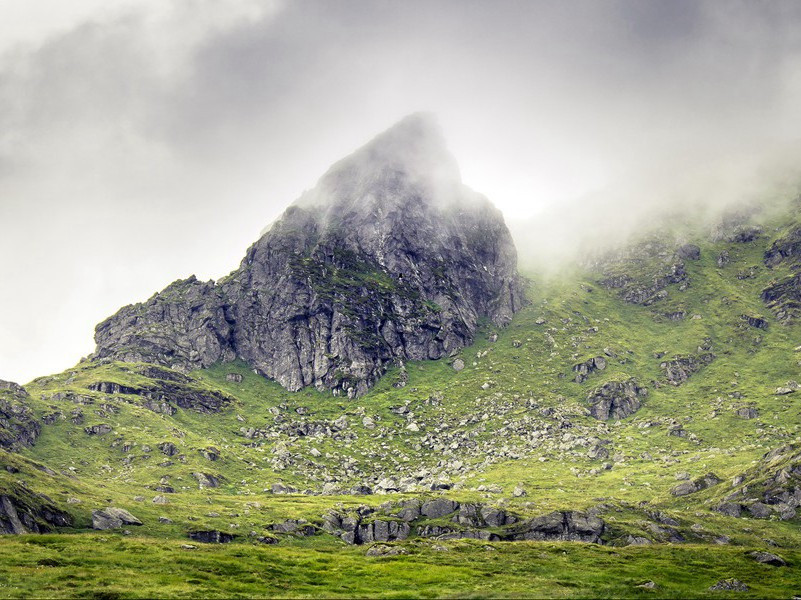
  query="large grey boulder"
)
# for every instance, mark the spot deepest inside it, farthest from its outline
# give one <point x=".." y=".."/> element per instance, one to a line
<point x="389" y="258"/>
<point x="112" y="518"/>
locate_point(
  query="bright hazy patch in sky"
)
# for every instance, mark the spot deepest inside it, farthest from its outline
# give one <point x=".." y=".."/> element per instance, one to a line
<point x="146" y="140"/>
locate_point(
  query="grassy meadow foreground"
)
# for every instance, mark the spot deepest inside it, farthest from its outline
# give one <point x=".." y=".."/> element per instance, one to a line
<point x="680" y="492"/>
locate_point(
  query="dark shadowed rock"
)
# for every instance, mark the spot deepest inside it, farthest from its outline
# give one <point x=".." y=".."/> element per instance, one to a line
<point x="211" y="537"/>
<point x="101" y="429"/>
<point x="783" y="296"/>
<point x="389" y="258"/>
<point x="22" y="511"/>
<point x="785" y="249"/>
<point x="755" y="321"/>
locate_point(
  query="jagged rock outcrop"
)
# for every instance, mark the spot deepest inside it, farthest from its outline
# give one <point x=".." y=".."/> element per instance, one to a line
<point x="642" y="271"/>
<point x="771" y="488"/>
<point x="18" y="425"/>
<point x="397" y="521"/>
<point x="785" y="248"/>
<point x="616" y="399"/>
<point x="783" y="296"/>
<point x="22" y="511"/>
<point x="390" y="257"/>
<point x="168" y="391"/>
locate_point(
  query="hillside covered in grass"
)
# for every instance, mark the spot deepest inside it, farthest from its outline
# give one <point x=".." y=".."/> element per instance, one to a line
<point x="634" y="430"/>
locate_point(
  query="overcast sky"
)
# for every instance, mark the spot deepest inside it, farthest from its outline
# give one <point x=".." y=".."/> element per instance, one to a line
<point x="146" y="140"/>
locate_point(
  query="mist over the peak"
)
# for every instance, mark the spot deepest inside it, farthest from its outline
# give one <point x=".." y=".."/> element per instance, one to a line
<point x="144" y="141"/>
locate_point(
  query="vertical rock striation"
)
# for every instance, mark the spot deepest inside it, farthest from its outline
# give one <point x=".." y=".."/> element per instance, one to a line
<point x="390" y="257"/>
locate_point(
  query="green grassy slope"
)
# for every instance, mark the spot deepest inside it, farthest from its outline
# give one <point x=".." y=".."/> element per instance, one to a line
<point x="513" y="418"/>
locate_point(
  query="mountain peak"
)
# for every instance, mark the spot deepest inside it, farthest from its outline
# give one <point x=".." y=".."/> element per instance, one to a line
<point x="411" y="153"/>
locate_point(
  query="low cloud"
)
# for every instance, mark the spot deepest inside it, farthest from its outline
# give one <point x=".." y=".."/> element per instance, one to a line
<point x="146" y="144"/>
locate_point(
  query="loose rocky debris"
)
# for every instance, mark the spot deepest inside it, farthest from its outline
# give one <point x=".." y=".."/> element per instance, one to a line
<point x="643" y="271"/>
<point x="729" y="585"/>
<point x="772" y="488"/>
<point x="112" y="518"/>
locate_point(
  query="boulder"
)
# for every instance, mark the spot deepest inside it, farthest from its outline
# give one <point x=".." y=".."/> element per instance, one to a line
<point x="211" y="537"/>
<point x="112" y="518"/>
<point x="768" y="558"/>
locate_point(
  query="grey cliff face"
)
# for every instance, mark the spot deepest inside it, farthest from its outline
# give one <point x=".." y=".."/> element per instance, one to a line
<point x="390" y="257"/>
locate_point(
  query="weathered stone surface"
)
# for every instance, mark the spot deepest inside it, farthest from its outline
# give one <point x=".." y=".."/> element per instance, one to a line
<point x="389" y="258"/>
<point x="434" y="509"/>
<point x="569" y="526"/>
<point x="783" y="296"/>
<point x="168" y="390"/>
<point x="18" y="425"/>
<point x="755" y="321"/>
<point x="696" y="485"/>
<point x="643" y="271"/>
<point x="211" y="537"/>
<point x="112" y="518"/>
<point x="786" y="248"/>
<point x="616" y="400"/>
<point x="679" y="370"/>
<point x="204" y="480"/>
<point x="768" y="558"/>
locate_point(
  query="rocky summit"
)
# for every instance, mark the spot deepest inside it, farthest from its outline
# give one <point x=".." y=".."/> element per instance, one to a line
<point x="389" y="258"/>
